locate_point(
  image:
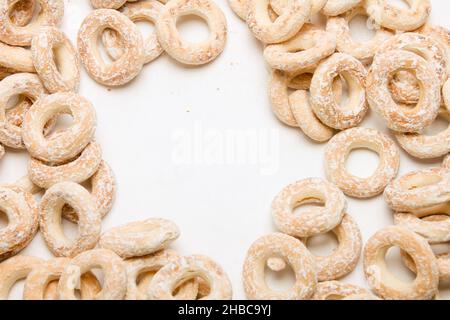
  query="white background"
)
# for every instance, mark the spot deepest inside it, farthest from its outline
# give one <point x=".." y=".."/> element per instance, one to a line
<point x="220" y="208"/>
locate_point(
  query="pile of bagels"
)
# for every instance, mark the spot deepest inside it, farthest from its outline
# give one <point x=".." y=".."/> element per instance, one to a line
<point x="402" y="74"/>
<point x="40" y="76"/>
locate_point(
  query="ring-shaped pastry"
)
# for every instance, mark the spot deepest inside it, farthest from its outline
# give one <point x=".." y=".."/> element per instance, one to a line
<point x="287" y="25"/>
<point x="314" y="220"/>
<point x="390" y="16"/>
<point x="419" y="190"/>
<point x="340" y="146"/>
<point x="21" y="84"/>
<point x="140" y="238"/>
<point x="140" y="11"/>
<point x="424" y="146"/>
<point x="64" y="145"/>
<point x="323" y="101"/>
<point x="294" y="253"/>
<point x="302" y="52"/>
<point x="56" y="60"/>
<point x="398" y="117"/>
<point x="36" y="284"/>
<point x="124" y="69"/>
<point x="89" y="220"/>
<point x="384" y="283"/>
<point x="153" y="263"/>
<point x="114" y="275"/>
<point x="182" y="50"/>
<point x="169" y="277"/>
<point x="78" y="170"/>
<point x="50" y="14"/>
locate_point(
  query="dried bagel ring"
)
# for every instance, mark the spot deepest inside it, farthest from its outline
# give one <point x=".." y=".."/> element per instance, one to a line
<point x="364" y="51"/>
<point x="340" y="146"/>
<point x="335" y="290"/>
<point x="36" y="284"/>
<point x="306" y="119"/>
<point x="443" y="261"/>
<point x="302" y="52"/>
<point x="279" y="97"/>
<point x="67" y="144"/>
<point x="279" y="6"/>
<point x="50" y="14"/>
<point x="140" y="11"/>
<point x="184" y="51"/>
<point x="89" y="222"/>
<point x="389" y="16"/>
<point x="441" y="35"/>
<point x="107" y="4"/>
<point x="294" y="253"/>
<point x="337" y="7"/>
<point x="287" y="25"/>
<point x="27" y="85"/>
<point x="315" y="220"/>
<point x="433" y="225"/>
<point x="419" y="190"/>
<point x="15" y="269"/>
<point x="345" y="258"/>
<point x="78" y="170"/>
<point x="425" y="46"/>
<point x="323" y="102"/>
<point x="114" y="271"/>
<point x="22" y="12"/>
<point x="49" y="47"/>
<point x="425" y="146"/>
<point x="103" y="191"/>
<point x="153" y="263"/>
<point x="124" y="69"/>
<point x="400" y="118"/>
<point x="140" y="238"/>
<point x="385" y="284"/>
<point x="23" y="214"/>
<point x="188" y="268"/>
<point x="16" y="58"/>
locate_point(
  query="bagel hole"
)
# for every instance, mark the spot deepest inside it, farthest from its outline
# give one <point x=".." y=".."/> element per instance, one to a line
<point x="302" y="205"/>
<point x="400" y="4"/>
<point x="335" y="297"/>
<point x="143" y="280"/>
<point x="322" y="245"/>
<point x="98" y="273"/>
<point x="65" y="66"/>
<point x="362" y="162"/>
<point x="352" y="93"/>
<point x="147" y="28"/>
<point x="401" y="80"/>
<point x="359" y="30"/>
<point x="62" y="123"/>
<point x="4" y="220"/>
<point x="22" y="7"/>
<point x="439" y="125"/>
<point x="70" y="229"/>
<point x="440" y="248"/>
<point x="420" y="181"/>
<point x="101" y="50"/>
<point x="397" y="267"/>
<point x="193" y="28"/>
<point x="280" y="280"/>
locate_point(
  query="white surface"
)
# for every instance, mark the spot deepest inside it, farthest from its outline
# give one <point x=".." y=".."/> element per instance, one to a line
<point x="221" y="199"/>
